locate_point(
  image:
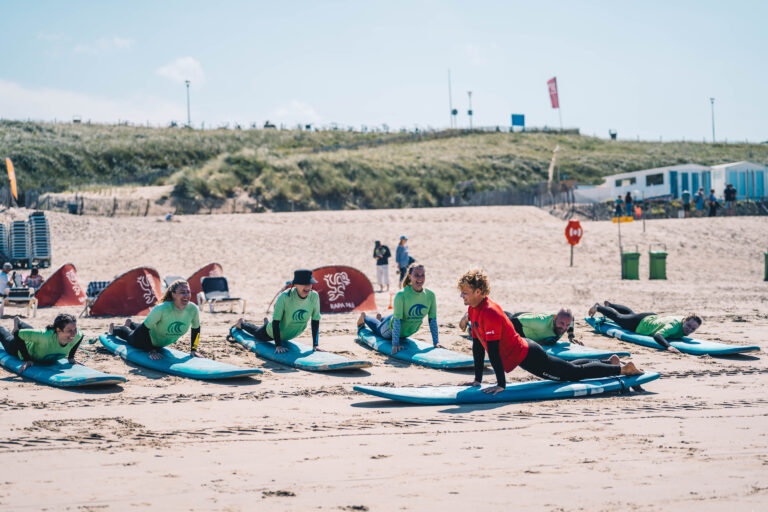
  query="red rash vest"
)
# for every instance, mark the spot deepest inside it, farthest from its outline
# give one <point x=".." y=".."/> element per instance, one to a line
<point x="490" y="323"/>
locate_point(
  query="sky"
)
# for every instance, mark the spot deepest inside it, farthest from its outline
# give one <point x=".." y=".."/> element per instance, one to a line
<point x="644" y="69"/>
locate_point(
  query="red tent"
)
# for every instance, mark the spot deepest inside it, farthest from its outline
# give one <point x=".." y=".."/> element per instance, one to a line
<point x="210" y="270"/>
<point x="133" y="293"/>
<point x="61" y="289"/>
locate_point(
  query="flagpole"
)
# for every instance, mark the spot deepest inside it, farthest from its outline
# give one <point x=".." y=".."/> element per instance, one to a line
<point x="560" y="114"/>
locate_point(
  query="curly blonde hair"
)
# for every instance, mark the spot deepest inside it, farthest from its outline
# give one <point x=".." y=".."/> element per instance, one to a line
<point x="477" y="280"/>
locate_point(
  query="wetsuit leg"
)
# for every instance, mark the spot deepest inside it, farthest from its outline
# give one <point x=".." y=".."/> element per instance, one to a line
<point x="13" y="344"/>
<point x="628" y="322"/>
<point x="515" y="322"/>
<point x="258" y="332"/>
<point x="380" y="327"/>
<point x="138" y="337"/>
<point x="543" y="365"/>
<point x="624" y="310"/>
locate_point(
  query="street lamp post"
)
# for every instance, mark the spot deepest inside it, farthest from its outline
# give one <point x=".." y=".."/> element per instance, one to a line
<point x="469" y="112"/>
<point x="189" y="117"/>
<point x="712" y="102"/>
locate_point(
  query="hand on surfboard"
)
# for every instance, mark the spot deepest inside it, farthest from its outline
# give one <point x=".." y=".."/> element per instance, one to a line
<point x="280" y="350"/>
<point x="439" y="345"/>
<point x="25" y="366"/>
<point x="576" y="341"/>
<point x="396" y="348"/>
<point x="193" y="353"/>
<point x="673" y="349"/>
<point x="155" y="355"/>
<point x="317" y="349"/>
<point x="493" y="390"/>
<point x="472" y="384"/>
<point x="75" y="361"/>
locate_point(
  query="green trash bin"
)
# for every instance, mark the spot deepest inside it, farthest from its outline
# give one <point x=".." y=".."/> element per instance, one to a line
<point x="657" y="262"/>
<point x="630" y="264"/>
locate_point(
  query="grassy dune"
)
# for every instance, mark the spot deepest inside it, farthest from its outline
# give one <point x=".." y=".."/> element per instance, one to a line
<point x="329" y="169"/>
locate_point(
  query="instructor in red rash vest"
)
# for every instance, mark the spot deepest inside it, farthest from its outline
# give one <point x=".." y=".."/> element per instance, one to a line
<point x="494" y="332"/>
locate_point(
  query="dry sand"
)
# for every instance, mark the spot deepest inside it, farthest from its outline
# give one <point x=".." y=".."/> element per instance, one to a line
<point x="294" y="440"/>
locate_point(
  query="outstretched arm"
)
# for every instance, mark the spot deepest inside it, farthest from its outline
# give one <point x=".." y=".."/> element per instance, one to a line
<point x="396" y="347"/>
<point x="658" y="338"/>
<point x="433" y="331"/>
<point x="494" y="354"/>
<point x="194" y="340"/>
<point x="71" y="356"/>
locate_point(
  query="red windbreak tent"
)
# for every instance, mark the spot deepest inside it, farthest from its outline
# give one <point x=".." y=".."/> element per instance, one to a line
<point x="210" y="270"/>
<point x="61" y="289"/>
<point x="133" y="293"/>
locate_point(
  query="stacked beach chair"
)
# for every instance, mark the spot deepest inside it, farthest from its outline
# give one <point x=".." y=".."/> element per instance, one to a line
<point x="19" y="243"/>
<point x="40" y="236"/>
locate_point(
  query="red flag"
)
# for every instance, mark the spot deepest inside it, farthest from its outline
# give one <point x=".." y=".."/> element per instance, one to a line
<point x="552" y="84"/>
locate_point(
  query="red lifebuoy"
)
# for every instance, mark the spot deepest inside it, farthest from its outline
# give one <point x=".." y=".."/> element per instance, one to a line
<point x="573" y="232"/>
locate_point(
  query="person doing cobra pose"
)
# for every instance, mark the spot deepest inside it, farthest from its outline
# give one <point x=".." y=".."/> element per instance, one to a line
<point x="60" y="339"/>
<point x="165" y="324"/>
<point x="543" y="328"/>
<point x="650" y="324"/>
<point x="293" y="309"/>
<point x="493" y="331"/>
<point x="411" y="305"/>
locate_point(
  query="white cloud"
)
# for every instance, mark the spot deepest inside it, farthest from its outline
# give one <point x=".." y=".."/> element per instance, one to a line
<point x="294" y="111"/>
<point x="104" y="45"/>
<point x="183" y="68"/>
<point x="18" y="102"/>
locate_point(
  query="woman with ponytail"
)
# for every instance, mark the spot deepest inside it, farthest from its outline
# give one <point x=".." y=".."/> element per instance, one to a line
<point x="60" y="339"/>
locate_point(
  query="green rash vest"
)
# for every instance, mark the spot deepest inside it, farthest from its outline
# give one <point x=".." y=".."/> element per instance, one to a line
<point x="167" y="324"/>
<point x="411" y="307"/>
<point x="294" y="313"/>
<point x="44" y="346"/>
<point x="668" y="326"/>
<point x="538" y="327"/>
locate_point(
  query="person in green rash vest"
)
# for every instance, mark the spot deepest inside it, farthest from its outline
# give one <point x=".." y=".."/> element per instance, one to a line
<point x="650" y="324"/>
<point x="411" y="305"/>
<point x="543" y="328"/>
<point x="294" y="308"/>
<point x="165" y="324"/>
<point x="58" y="340"/>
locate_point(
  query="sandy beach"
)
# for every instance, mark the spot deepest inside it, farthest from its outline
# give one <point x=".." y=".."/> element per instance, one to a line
<point x="697" y="438"/>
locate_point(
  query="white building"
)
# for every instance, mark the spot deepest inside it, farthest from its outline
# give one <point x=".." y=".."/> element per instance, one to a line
<point x="656" y="183"/>
<point x="748" y="178"/>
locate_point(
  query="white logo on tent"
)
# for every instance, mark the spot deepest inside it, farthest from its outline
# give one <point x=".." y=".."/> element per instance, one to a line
<point x="337" y="283"/>
<point x="72" y="278"/>
<point x="146" y="287"/>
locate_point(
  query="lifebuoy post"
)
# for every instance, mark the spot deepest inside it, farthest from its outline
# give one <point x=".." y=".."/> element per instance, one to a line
<point x="573" y="233"/>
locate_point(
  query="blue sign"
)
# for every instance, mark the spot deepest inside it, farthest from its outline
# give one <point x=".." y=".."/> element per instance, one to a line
<point x="518" y="120"/>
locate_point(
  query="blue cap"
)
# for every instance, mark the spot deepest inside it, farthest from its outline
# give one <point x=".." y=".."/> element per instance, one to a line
<point x="403" y="237"/>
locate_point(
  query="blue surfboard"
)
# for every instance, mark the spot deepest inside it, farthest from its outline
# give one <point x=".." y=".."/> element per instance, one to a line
<point x="685" y="345"/>
<point x="60" y="374"/>
<point x="176" y="363"/>
<point x="538" y="390"/>
<point x="418" y="352"/>
<point x="299" y="356"/>
<point x="571" y="351"/>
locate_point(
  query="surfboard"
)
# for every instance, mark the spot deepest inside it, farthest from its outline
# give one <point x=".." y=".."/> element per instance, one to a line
<point x="685" y="345"/>
<point x="571" y="351"/>
<point x="175" y="362"/>
<point x="299" y="356"/>
<point x="60" y="374"/>
<point x="418" y="352"/>
<point x="525" y="391"/>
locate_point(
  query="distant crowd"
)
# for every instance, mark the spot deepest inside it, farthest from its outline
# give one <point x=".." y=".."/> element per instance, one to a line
<point x="696" y="202"/>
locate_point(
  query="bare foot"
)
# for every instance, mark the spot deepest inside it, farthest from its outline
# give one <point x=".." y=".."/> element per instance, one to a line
<point x="606" y="304"/>
<point x="614" y="359"/>
<point x="593" y="310"/>
<point x="630" y="369"/>
<point x="361" y="320"/>
<point x="239" y="323"/>
<point x="111" y="329"/>
<point x="378" y="316"/>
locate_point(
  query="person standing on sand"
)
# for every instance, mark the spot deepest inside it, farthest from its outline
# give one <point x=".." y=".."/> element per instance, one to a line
<point x="713" y="204"/>
<point x="699" y="200"/>
<point x="381" y="254"/>
<point x="165" y="324"/>
<point x="293" y="310"/>
<point x="628" y="204"/>
<point x="649" y="324"/>
<point x="685" y="198"/>
<point x="402" y="257"/>
<point x="493" y="332"/>
<point x="619" y="208"/>
<point x="729" y="194"/>
<point x="411" y="305"/>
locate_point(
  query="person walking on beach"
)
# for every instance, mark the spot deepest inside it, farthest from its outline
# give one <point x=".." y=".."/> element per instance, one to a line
<point x="165" y="324"/>
<point x="729" y="194"/>
<point x="699" y="200"/>
<point x="686" y="200"/>
<point x="381" y="254"/>
<point x="411" y="305"/>
<point x="543" y="328"/>
<point x="619" y="208"/>
<point x="60" y="339"/>
<point x="492" y="331"/>
<point x="713" y="204"/>
<point x="649" y="324"/>
<point x="293" y="310"/>
<point x="402" y="257"/>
